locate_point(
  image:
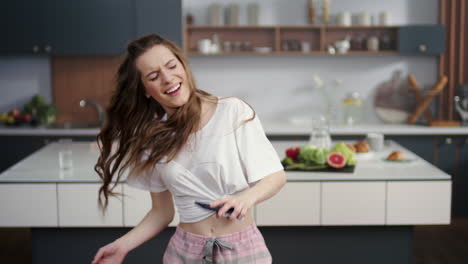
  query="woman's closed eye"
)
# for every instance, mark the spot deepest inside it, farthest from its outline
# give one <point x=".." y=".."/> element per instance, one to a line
<point x="155" y="77"/>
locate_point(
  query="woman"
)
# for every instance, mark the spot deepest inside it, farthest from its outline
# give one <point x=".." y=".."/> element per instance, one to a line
<point x="181" y="142"/>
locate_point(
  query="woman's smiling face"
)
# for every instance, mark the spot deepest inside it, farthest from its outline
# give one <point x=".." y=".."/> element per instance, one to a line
<point x="164" y="78"/>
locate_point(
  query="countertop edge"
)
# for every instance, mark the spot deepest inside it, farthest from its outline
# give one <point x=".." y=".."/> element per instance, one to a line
<point x="272" y="129"/>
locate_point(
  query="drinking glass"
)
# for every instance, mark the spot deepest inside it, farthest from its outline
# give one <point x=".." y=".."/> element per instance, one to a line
<point x="320" y="134"/>
<point x="65" y="154"/>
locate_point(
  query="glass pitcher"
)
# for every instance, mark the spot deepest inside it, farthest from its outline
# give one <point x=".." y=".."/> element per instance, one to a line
<point x="352" y="109"/>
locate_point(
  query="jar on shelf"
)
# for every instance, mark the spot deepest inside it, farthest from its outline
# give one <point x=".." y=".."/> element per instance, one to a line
<point x="358" y="42"/>
<point x="216" y="15"/>
<point x="373" y="43"/>
<point x="253" y="11"/>
<point x="352" y="109"/>
<point x="385" y="42"/>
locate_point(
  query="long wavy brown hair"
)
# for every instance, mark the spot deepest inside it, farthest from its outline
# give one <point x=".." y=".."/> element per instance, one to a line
<point x="134" y="127"/>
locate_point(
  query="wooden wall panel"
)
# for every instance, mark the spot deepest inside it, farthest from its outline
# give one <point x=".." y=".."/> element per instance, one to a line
<point x="78" y="77"/>
<point x="453" y="14"/>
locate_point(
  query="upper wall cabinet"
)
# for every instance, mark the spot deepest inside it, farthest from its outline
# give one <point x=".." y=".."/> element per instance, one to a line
<point x="313" y="40"/>
<point x="21" y="23"/>
<point x="161" y="17"/>
<point x="85" y="27"/>
<point x="422" y="40"/>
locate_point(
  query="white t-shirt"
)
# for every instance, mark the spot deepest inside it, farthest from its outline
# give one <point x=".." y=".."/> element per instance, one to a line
<point x="225" y="157"/>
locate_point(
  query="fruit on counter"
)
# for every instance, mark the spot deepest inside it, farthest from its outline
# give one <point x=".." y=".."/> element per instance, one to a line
<point x="287" y="162"/>
<point x="293" y="153"/>
<point x="7" y="118"/>
<point x="14" y="117"/>
<point x="15" y="112"/>
<point x="349" y="155"/>
<point x="351" y="147"/>
<point x="336" y="160"/>
<point x="396" y="156"/>
<point x="362" y="147"/>
<point x="311" y="155"/>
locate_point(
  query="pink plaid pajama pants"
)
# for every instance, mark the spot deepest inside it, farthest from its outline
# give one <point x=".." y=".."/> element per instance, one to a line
<point x="244" y="247"/>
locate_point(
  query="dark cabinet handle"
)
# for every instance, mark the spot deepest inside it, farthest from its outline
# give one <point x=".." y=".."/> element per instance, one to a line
<point x="448" y="140"/>
<point x="47" y="48"/>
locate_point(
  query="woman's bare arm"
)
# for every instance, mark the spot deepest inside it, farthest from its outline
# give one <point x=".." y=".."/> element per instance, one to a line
<point x="158" y="218"/>
<point x="261" y="191"/>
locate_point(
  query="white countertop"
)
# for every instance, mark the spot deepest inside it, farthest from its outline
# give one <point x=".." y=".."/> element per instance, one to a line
<point x="43" y="166"/>
<point x="42" y="131"/>
<point x="271" y="129"/>
<point x="274" y="128"/>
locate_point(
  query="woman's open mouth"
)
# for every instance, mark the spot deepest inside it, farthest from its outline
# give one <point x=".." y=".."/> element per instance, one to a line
<point x="174" y="91"/>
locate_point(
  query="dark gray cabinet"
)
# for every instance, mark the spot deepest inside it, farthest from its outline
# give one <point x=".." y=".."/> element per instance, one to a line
<point x="85" y="27"/>
<point x="161" y="17"/>
<point x="462" y="176"/>
<point x="421" y="39"/>
<point x="21" y="25"/>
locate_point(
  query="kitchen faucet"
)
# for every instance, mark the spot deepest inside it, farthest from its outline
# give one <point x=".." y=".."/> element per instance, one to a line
<point x="98" y="107"/>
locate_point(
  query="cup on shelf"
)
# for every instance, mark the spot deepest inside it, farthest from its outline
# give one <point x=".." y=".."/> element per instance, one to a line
<point x="376" y="141"/>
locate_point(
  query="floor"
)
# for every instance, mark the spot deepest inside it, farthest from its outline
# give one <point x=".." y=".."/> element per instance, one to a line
<point x="432" y="244"/>
<point x="442" y="244"/>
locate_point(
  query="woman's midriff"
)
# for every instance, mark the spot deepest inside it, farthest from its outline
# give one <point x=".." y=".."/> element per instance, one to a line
<point x="215" y="225"/>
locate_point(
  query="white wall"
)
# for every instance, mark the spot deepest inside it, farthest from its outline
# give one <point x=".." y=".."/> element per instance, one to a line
<point x="23" y="77"/>
<point x="281" y="86"/>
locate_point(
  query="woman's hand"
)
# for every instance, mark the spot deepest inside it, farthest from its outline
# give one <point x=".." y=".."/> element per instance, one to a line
<point x="241" y="204"/>
<point x="113" y="253"/>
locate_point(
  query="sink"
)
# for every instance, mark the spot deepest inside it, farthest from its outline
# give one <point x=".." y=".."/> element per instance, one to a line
<point x="73" y="126"/>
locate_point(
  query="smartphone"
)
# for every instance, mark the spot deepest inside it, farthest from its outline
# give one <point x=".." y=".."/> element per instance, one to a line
<point x="216" y="209"/>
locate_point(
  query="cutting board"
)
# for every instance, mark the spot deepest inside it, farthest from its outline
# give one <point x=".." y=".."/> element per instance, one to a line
<point x="322" y="168"/>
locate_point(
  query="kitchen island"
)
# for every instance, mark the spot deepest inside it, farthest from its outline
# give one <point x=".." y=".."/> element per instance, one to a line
<point x="366" y="216"/>
<point x="272" y="129"/>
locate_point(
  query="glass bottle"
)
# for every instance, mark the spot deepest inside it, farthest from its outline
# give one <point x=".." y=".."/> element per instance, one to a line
<point x="311" y="11"/>
<point x="352" y="109"/>
<point x="189" y="20"/>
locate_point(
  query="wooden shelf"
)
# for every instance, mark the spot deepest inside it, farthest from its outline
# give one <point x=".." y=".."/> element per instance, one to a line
<point x="285" y="39"/>
<point x="296" y="53"/>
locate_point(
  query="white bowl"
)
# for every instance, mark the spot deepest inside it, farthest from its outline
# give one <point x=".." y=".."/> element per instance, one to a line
<point x="392" y="116"/>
